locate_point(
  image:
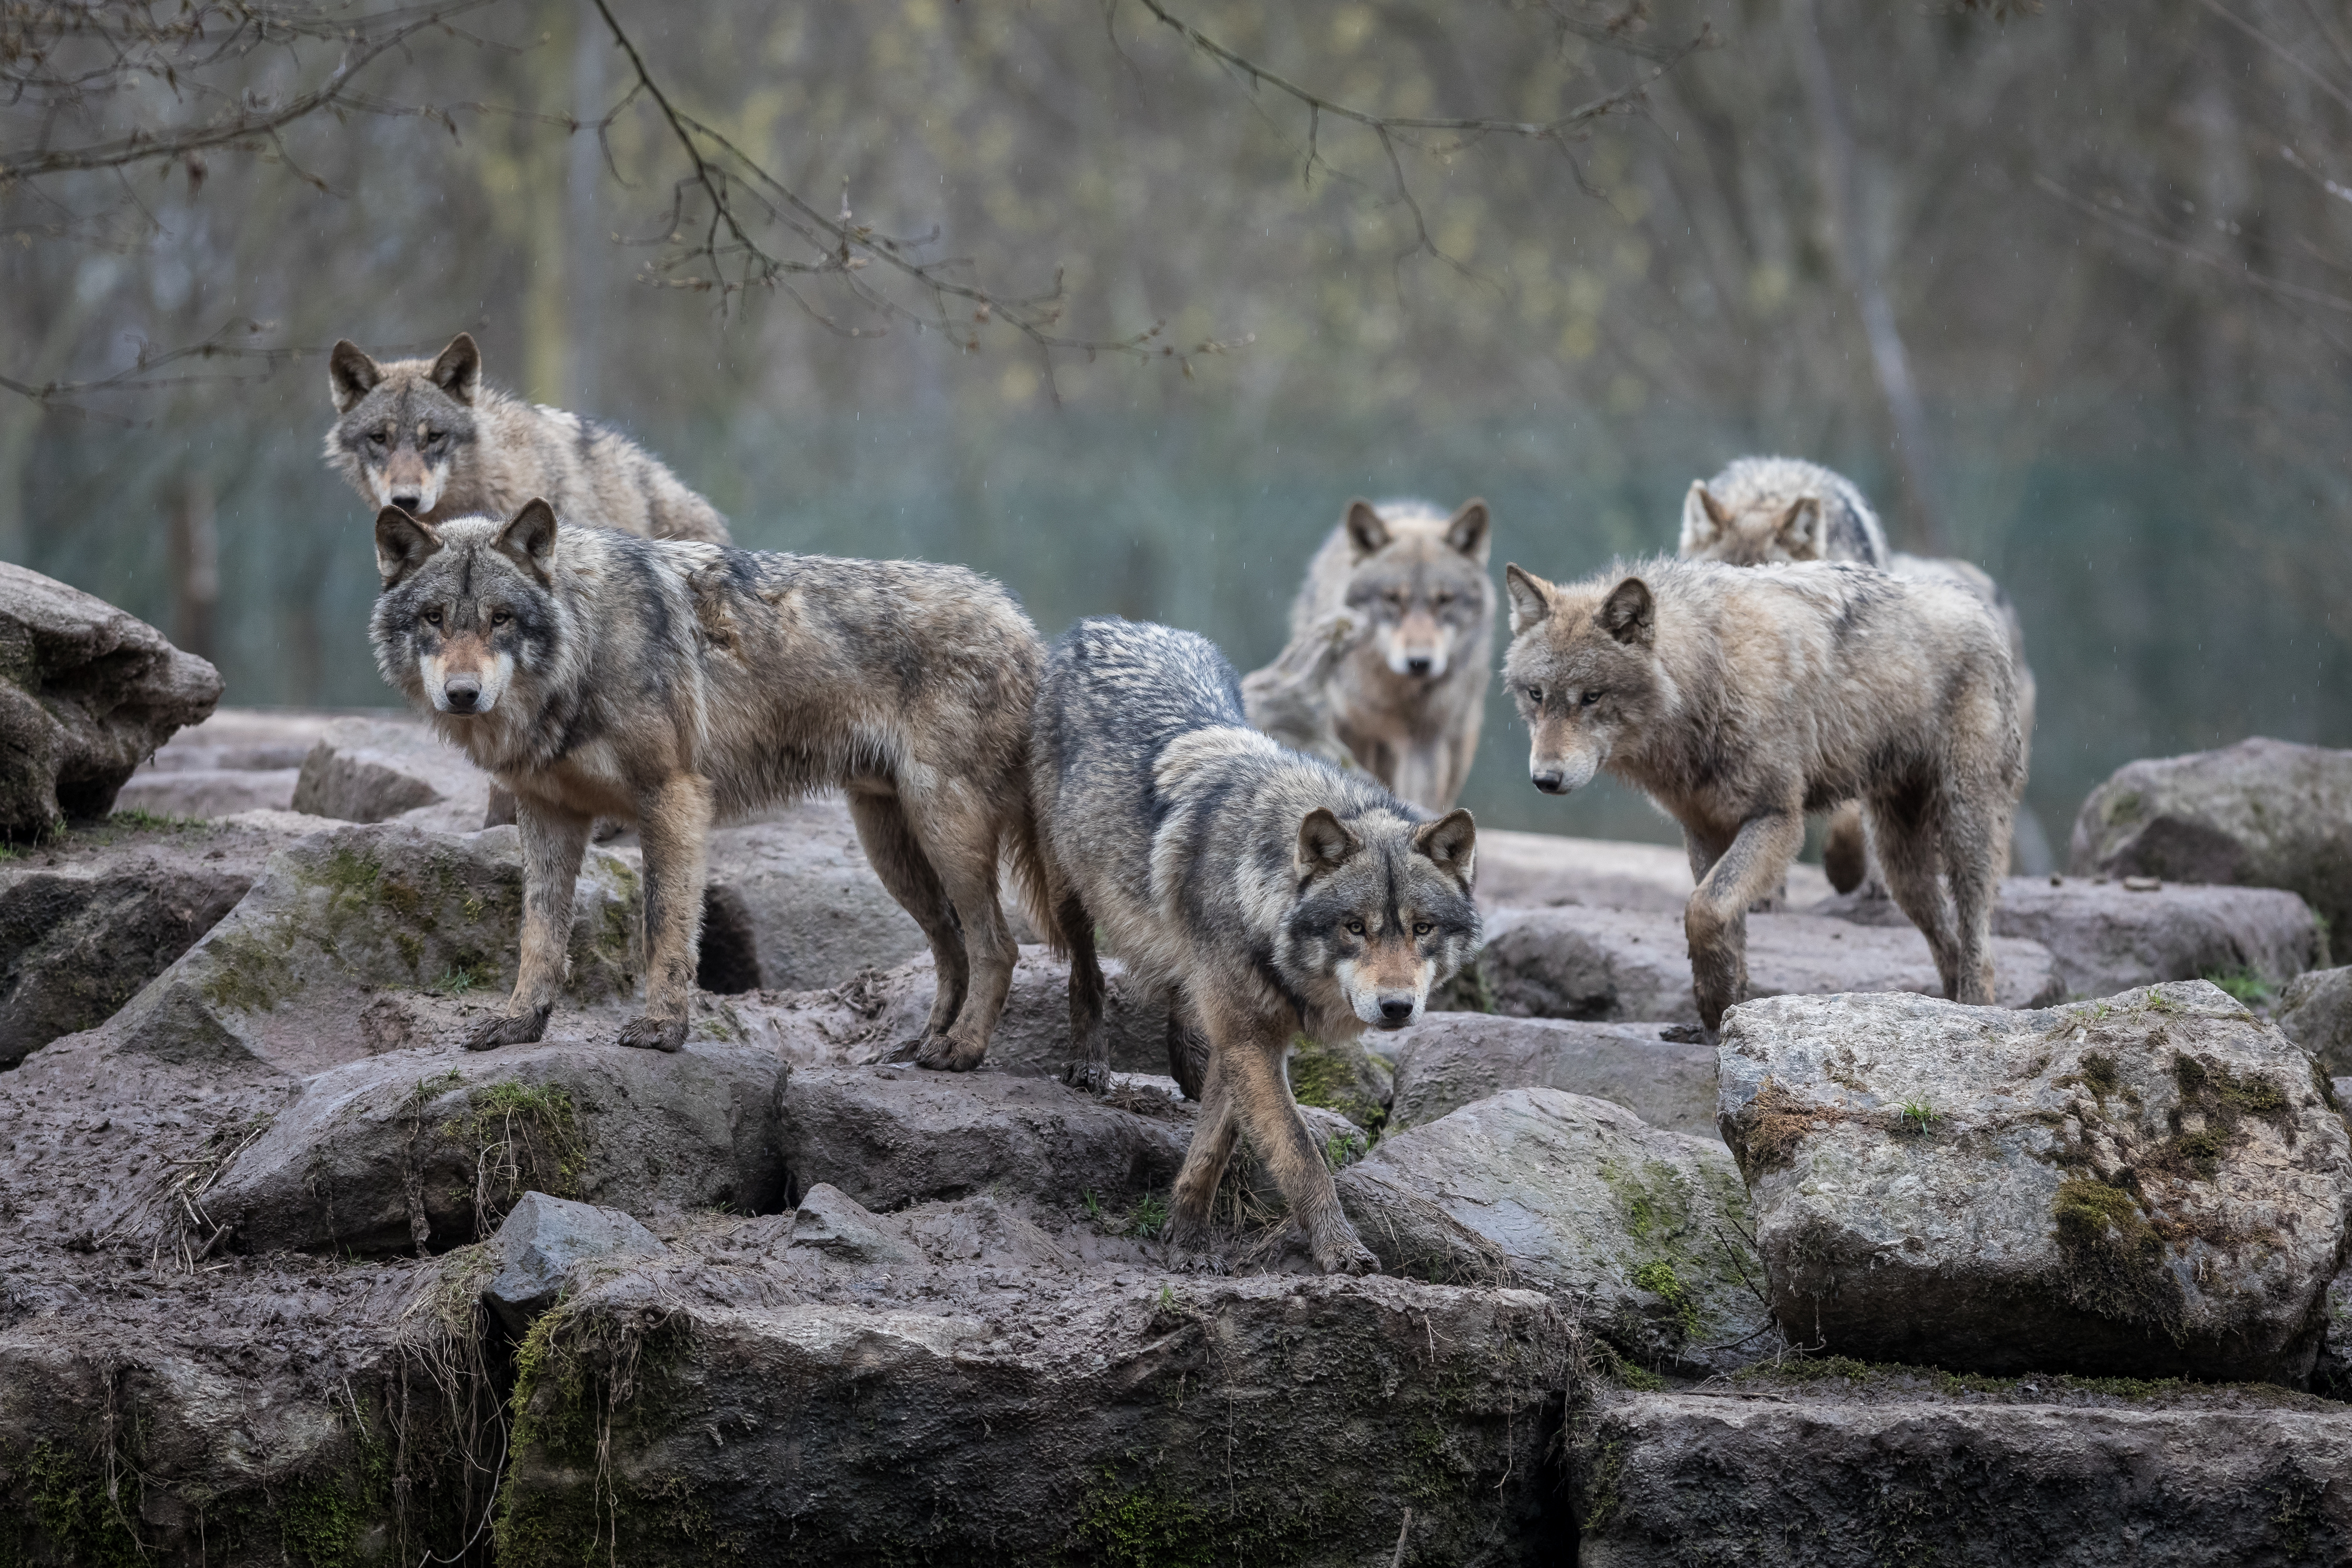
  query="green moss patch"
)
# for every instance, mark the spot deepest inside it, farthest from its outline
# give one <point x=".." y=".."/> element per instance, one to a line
<point x="2114" y="1257"/>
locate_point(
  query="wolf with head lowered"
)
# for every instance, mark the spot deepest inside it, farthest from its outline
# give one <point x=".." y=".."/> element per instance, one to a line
<point x="664" y="683"/>
<point x="1272" y="894"/>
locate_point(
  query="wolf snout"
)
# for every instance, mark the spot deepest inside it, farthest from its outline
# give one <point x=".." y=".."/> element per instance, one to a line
<point x="463" y="692"/>
<point x="1551" y="781"/>
<point x="409" y="501"/>
<point x="1419" y="664"/>
<point x="1396" y="1012"/>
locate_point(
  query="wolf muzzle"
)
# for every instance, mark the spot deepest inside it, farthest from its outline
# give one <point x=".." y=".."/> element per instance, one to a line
<point x="1559" y="775"/>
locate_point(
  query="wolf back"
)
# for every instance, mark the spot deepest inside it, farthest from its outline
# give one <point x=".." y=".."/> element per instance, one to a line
<point x="596" y="674"/>
<point x="427" y="437"/>
<point x="1274" y="894"/>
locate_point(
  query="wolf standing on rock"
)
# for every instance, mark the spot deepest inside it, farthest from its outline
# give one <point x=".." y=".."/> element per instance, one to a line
<point x="1411" y="694"/>
<point x="1741" y="699"/>
<point x="595" y="674"/>
<point x="427" y="437"/>
<point x="1275" y="894"/>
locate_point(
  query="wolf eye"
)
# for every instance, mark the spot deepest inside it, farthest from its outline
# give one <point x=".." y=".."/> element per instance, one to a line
<point x="1422" y="928"/>
<point x="1355" y="928"/>
<point x="379" y="438"/>
<point x="500" y="617"/>
<point x="435" y="437"/>
<point x="1589" y="698"/>
<point x="431" y="617"/>
<point x="1443" y="599"/>
<point x="1535" y="693"/>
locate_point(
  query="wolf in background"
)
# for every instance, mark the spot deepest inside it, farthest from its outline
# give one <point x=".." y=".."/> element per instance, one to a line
<point x="1409" y="698"/>
<point x="599" y="674"/>
<point x="1741" y="698"/>
<point x="1274" y="894"/>
<point x="427" y="437"/>
<point x="1763" y="510"/>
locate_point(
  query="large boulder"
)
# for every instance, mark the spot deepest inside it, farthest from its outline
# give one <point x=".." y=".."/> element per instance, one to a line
<point x="86" y="693"/>
<point x="792" y="905"/>
<point x="2106" y="936"/>
<point x="392" y="768"/>
<point x="1449" y="1059"/>
<point x="2154" y="1184"/>
<point x="361" y="939"/>
<point x="91" y="916"/>
<point x="1542" y="870"/>
<point x="431" y="1147"/>
<point x="2316" y="1012"/>
<point x="2262" y="813"/>
<point x="1641" y="1233"/>
<point x="1142" y="1417"/>
<point x="1633" y="965"/>
<point x="1781" y="1473"/>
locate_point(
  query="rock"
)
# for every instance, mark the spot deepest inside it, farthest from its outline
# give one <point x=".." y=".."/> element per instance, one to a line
<point x="1616" y="965"/>
<point x="206" y="793"/>
<point x="1544" y="870"/>
<point x="392" y="768"/>
<point x="357" y="940"/>
<point x="2331" y="1374"/>
<point x="1351" y="1078"/>
<point x="1765" y="1475"/>
<point x="2316" y="1012"/>
<point x="2107" y="937"/>
<point x="246" y="739"/>
<point x="890" y="1136"/>
<point x="830" y="1219"/>
<point x="421" y="1148"/>
<point x="1449" y="1059"/>
<point x="2263" y="813"/>
<point x="1165" y="1418"/>
<point x="2155" y="1184"/>
<point x="544" y="1240"/>
<point x="86" y="693"/>
<point x="791" y="905"/>
<point x="1640" y="1233"/>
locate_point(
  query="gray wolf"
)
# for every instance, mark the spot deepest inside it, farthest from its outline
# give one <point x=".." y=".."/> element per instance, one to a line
<point x="1741" y="698"/>
<point x="664" y="683"/>
<point x="427" y="437"/>
<point x="1408" y="700"/>
<point x="1277" y="895"/>
<point x="1763" y="510"/>
<point x="1291" y="698"/>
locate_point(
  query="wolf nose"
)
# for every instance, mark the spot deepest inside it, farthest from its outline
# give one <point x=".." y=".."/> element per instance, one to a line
<point x="409" y="501"/>
<point x="1396" y="1010"/>
<point x="463" y="692"/>
<point x="1418" y="664"/>
<point x="1550" y="782"/>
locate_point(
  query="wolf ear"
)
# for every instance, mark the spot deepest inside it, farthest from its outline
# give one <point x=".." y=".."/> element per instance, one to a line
<point x="402" y="544"/>
<point x="1467" y="533"/>
<point x="1452" y="841"/>
<point x="1629" y="614"/>
<point x="1531" y="597"/>
<point x="1704" y="519"/>
<point x="1800" y="529"/>
<point x="1366" y="531"/>
<point x="459" y="370"/>
<point x="351" y="374"/>
<point x="530" y="540"/>
<point x="1324" y="844"/>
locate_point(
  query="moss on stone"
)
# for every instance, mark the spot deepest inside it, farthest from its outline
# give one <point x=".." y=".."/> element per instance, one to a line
<point x="247" y="974"/>
<point x="1337" y="1078"/>
<point x="2113" y="1258"/>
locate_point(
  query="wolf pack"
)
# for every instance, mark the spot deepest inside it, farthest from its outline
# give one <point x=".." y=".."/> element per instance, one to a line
<point x="1280" y="856"/>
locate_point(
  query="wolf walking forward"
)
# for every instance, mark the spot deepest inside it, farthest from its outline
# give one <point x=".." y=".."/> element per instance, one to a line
<point x="1275" y="894"/>
<point x="1741" y="699"/>
<point x="1411" y="695"/>
<point x="599" y="674"/>
<point x="427" y="437"/>
<point x="1760" y="510"/>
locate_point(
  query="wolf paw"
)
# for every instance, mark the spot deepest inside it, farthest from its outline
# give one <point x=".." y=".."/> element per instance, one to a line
<point x="652" y="1034"/>
<point x="1344" y="1254"/>
<point x="945" y="1053"/>
<point x="1088" y="1077"/>
<point x="514" y="1029"/>
<point x="1687" y="1035"/>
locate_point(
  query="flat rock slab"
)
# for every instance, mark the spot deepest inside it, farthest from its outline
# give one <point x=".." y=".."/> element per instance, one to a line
<point x="1640" y="1234"/>
<point x="392" y="768"/>
<point x="86" y="693"/>
<point x="543" y="1241"/>
<point x="2316" y="1012"/>
<point x="430" y="1148"/>
<point x="2262" y="813"/>
<point x="1449" y="1059"/>
<point x="2104" y="936"/>
<point x="1164" y="1418"/>
<point x="1543" y="870"/>
<point x="893" y="1135"/>
<point x="1695" y="1480"/>
<point x="207" y="792"/>
<point x="2155" y="1184"/>
<point x="317" y="963"/>
<point x="1610" y="965"/>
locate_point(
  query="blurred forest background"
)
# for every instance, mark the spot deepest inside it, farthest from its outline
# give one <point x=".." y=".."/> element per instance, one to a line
<point x="2064" y="287"/>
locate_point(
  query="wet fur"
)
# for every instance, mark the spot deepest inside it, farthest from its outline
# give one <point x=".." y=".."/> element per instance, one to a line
<point x="1739" y="698"/>
<point x="495" y="452"/>
<point x="668" y="684"/>
<point x="1226" y="869"/>
<point x="1414" y="581"/>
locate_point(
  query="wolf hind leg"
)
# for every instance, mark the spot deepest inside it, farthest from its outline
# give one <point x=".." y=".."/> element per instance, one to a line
<point x="906" y="873"/>
<point x="1905" y="829"/>
<point x="1716" y="918"/>
<point x="1215" y="1132"/>
<point x="1188" y="1047"/>
<point x="1975" y="843"/>
<point x="674" y="827"/>
<point x="1250" y="1056"/>
<point x="554" y="840"/>
<point x="1089" y="1065"/>
<point x="961" y="836"/>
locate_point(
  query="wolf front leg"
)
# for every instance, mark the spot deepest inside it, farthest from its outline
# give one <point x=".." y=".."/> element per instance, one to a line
<point x="673" y="825"/>
<point x="1716" y="920"/>
<point x="1205" y="1159"/>
<point x="1249" y="1053"/>
<point x="553" y="839"/>
<point x="1088" y="1068"/>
